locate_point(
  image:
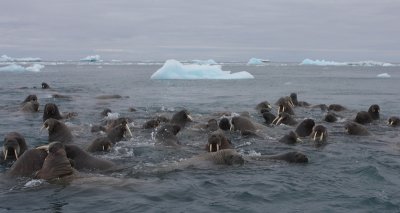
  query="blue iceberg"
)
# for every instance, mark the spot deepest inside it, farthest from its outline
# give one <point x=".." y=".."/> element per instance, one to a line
<point x="257" y="61"/>
<point x="173" y="69"/>
<point x="91" y="58"/>
<point x="19" y="68"/>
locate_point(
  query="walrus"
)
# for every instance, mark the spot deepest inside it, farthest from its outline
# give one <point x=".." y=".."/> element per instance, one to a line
<point x="290" y="157"/>
<point x="101" y="144"/>
<point x="364" y="117"/>
<point x="30" y="104"/>
<point x="268" y="117"/>
<point x="224" y="124"/>
<point x="166" y="135"/>
<point x="218" y="141"/>
<point x="56" y="163"/>
<point x="336" y="107"/>
<point x="319" y="134"/>
<point x="28" y="163"/>
<point x="330" y="117"/>
<point x="244" y="125"/>
<point x="45" y="85"/>
<point x="181" y="118"/>
<point x="285" y="107"/>
<point x="116" y="133"/>
<point x="284" y="118"/>
<point x="155" y="122"/>
<point x="264" y="106"/>
<point x="293" y="97"/>
<point x="394" y="121"/>
<point x="14" y="146"/>
<point x="290" y="138"/>
<point x="82" y="160"/>
<point x="51" y="111"/>
<point x="353" y="128"/>
<point x="58" y="131"/>
<point x="305" y="128"/>
<point x="284" y="101"/>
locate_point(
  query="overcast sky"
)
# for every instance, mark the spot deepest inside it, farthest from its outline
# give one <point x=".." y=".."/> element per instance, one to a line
<point x="223" y="30"/>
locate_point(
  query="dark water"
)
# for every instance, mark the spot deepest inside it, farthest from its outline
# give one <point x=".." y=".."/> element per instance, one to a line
<point x="349" y="174"/>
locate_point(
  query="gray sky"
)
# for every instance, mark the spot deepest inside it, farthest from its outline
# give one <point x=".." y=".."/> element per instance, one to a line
<point x="223" y="30"/>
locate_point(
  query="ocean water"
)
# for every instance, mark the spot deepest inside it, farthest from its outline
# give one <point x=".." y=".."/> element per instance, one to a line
<point x="349" y="174"/>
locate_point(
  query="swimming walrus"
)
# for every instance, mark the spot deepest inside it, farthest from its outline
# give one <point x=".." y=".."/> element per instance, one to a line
<point x="30" y="104"/>
<point x="102" y="144"/>
<point x="82" y="160"/>
<point x="181" y="118"/>
<point x="264" y="106"/>
<point x="28" y="163"/>
<point x="166" y="135"/>
<point x="116" y="133"/>
<point x="394" y="121"/>
<point x="244" y="125"/>
<point x="364" y="117"/>
<point x="268" y="117"/>
<point x="218" y="141"/>
<point x="336" y="107"/>
<point x="14" y="145"/>
<point x="290" y="138"/>
<point x="319" y="135"/>
<point x="58" y="131"/>
<point x="45" y="85"/>
<point x="353" y="128"/>
<point x="56" y="163"/>
<point x="284" y="118"/>
<point x="293" y="97"/>
<point x="225" y="124"/>
<point x="51" y="111"/>
<point x="305" y="128"/>
<point x="330" y="117"/>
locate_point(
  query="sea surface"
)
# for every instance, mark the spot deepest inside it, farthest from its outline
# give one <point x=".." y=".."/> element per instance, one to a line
<point x="349" y="174"/>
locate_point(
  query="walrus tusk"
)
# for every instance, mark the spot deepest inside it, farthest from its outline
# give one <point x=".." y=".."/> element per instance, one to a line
<point x="190" y="118"/>
<point x="291" y="103"/>
<point x="283" y="109"/>
<point x="210" y="146"/>
<point x="277" y="117"/>
<point x="5" y="155"/>
<point x="279" y="121"/>
<point x="391" y="123"/>
<point x="321" y="137"/>
<point x="103" y="148"/>
<point x="315" y="135"/>
<point x="16" y="155"/>
<point x="217" y="147"/>
<point x="44" y="147"/>
<point x="299" y="140"/>
<point x="129" y="131"/>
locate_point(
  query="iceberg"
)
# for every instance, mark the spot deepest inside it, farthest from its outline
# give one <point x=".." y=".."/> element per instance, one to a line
<point x="19" y="68"/>
<point x="173" y="69"/>
<point x="383" y="75"/>
<point x="202" y="62"/>
<point x="91" y="58"/>
<point x="334" y="63"/>
<point x="5" y="58"/>
<point x="257" y="61"/>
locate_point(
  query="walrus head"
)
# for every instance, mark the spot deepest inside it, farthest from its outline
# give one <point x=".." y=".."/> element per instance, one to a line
<point x="31" y="103"/>
<point x="319" y="134"/>
<point x="295" y="157"/>
<point x="100" y="145"/>
<point x="225" y="124"/>
<point x="233" y="158"/>
<point x="394" y="121"/>
<point x="13" y="146"/>
<point x="181" y="118"/>
<point x="374" y="111"/>
<point x="51" y="111"/>
<point x="214" y="142"/>
<point x="282" y="117"/>
<point x="45" y="85"/>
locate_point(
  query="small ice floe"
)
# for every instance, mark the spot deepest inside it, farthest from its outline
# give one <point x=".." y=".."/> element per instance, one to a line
<point x="91" y="58"/>
<point x="5" y="58"/>
<point x="19" y="68"/>
<point x="383" y="75"/>
<point x="257" y="61"/>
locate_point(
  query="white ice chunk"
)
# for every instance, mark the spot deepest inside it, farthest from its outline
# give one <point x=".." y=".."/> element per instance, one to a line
<point x="5" y="58"/>
<point x="383" y="75"/>
<point x="173" y="69"/>
<point x="91" y="58"/>
<point x="257" y="61"/>
<point x="19" y="68"/>
<point x="203" y="62"/>
<point x="334" y="63"/>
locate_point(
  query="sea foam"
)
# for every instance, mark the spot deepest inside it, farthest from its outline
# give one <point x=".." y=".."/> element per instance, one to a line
<point x="173" y="69"/>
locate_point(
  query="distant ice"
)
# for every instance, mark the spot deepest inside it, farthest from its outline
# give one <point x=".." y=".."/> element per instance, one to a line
<point x="203" y="62"/>
<point x="173" y="69"/>
<point x="19" y="68"/>
<point x="383" y="75"/>
<point x="334" y="63"/>
<point x="91" y="58"/>
<point x="257" y="61"/>
<point x="5" y="58"/>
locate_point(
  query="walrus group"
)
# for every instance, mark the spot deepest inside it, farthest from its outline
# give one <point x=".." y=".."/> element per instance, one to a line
<point x="63" y="158"/>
